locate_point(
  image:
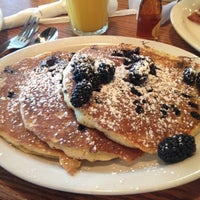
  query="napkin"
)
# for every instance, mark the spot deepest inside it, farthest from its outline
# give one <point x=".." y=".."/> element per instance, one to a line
<point x="166" y="9"/>
<point x="43" y="11"/>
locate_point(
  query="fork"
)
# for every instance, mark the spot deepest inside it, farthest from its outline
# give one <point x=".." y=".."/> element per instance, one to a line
<point x="24" y="37"/>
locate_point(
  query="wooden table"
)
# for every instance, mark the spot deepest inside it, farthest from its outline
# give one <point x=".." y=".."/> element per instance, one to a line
<point x="13" y="188"/>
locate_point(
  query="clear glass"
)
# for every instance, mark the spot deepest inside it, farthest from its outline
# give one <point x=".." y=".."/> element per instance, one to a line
<point x="88" y="17"/>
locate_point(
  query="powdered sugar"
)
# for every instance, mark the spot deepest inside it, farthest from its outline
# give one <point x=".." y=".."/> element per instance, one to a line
<point x="155" y="111"/>
<point x="46" y="114"/>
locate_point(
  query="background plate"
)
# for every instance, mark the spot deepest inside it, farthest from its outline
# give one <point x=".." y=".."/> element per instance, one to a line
<point x="114" y="177"/>
<point x="188" y="30"/>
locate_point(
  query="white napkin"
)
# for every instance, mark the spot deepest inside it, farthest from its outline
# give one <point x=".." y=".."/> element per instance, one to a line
<point x="48" y="13"/>
<point x="134" y="4"/>
<point x="166" y="9"/>
<point x="43" y="11"/>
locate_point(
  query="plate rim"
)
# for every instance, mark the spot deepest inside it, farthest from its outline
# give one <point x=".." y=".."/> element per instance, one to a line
<point x="121" y="177"/>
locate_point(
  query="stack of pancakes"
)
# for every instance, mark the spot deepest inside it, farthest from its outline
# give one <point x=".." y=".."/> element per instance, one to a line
<point x="120" y="120"/>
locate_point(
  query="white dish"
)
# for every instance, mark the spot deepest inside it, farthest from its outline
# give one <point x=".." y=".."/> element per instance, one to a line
<point x="187" y="29"/>
<point x="114" y="177"/>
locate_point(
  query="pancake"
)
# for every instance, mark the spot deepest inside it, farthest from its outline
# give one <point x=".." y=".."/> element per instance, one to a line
<point x="146" y="101"/>
<point x="11" y="124"/>
<point x="46" y="114"/>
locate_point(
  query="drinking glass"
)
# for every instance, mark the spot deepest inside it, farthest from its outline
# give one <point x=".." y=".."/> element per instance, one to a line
<point x="88" y="17"/>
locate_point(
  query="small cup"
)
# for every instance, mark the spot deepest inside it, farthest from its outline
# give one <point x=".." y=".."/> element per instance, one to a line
<point x="88" y="17"/>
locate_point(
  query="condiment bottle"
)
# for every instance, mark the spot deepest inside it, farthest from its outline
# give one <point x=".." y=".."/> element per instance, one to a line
<point x="149" y="17"/>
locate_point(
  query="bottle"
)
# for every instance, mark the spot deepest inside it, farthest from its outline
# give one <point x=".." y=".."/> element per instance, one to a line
<point x="149" y="17"/>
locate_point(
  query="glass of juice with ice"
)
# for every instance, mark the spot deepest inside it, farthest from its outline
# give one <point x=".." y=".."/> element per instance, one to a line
<point x="88" y="17"/>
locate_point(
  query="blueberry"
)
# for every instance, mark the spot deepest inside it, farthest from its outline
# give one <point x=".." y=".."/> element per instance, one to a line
<point x="198" y="81"/>
<point x="129" y="52"/>
<point x="11" y="94"/>
<point x="153" y="69"/>
<point x="83" y="71"/>
<point x="136" y="92"/>
<point x="176" y="148"/>
<point x="195" y="115"/>
<point x="117" y="53"/>
<point x="50" y="61"/>
<point x="140" y="70"/>
<point x="96" y="82"/>
<point x="126" y="52"/>
<point x="106" y="72"/>
<point x="9" y="70"/>
<point x="189" y="76"/>
<point x="135" y="58"/>
<point x="129" y="55"/>
<point x="81" y="93"/>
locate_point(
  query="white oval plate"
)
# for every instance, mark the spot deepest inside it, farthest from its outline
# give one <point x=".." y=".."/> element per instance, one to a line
<point x="188" y="30"/>
<point x="114" y="177"/>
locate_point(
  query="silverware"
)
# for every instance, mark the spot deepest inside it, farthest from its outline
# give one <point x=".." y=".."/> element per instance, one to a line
<point x="48" y="34"/>
<point x="24" y="37"/>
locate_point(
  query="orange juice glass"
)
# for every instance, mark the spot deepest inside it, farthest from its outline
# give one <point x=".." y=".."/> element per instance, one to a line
<point x="88" y="17"/>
